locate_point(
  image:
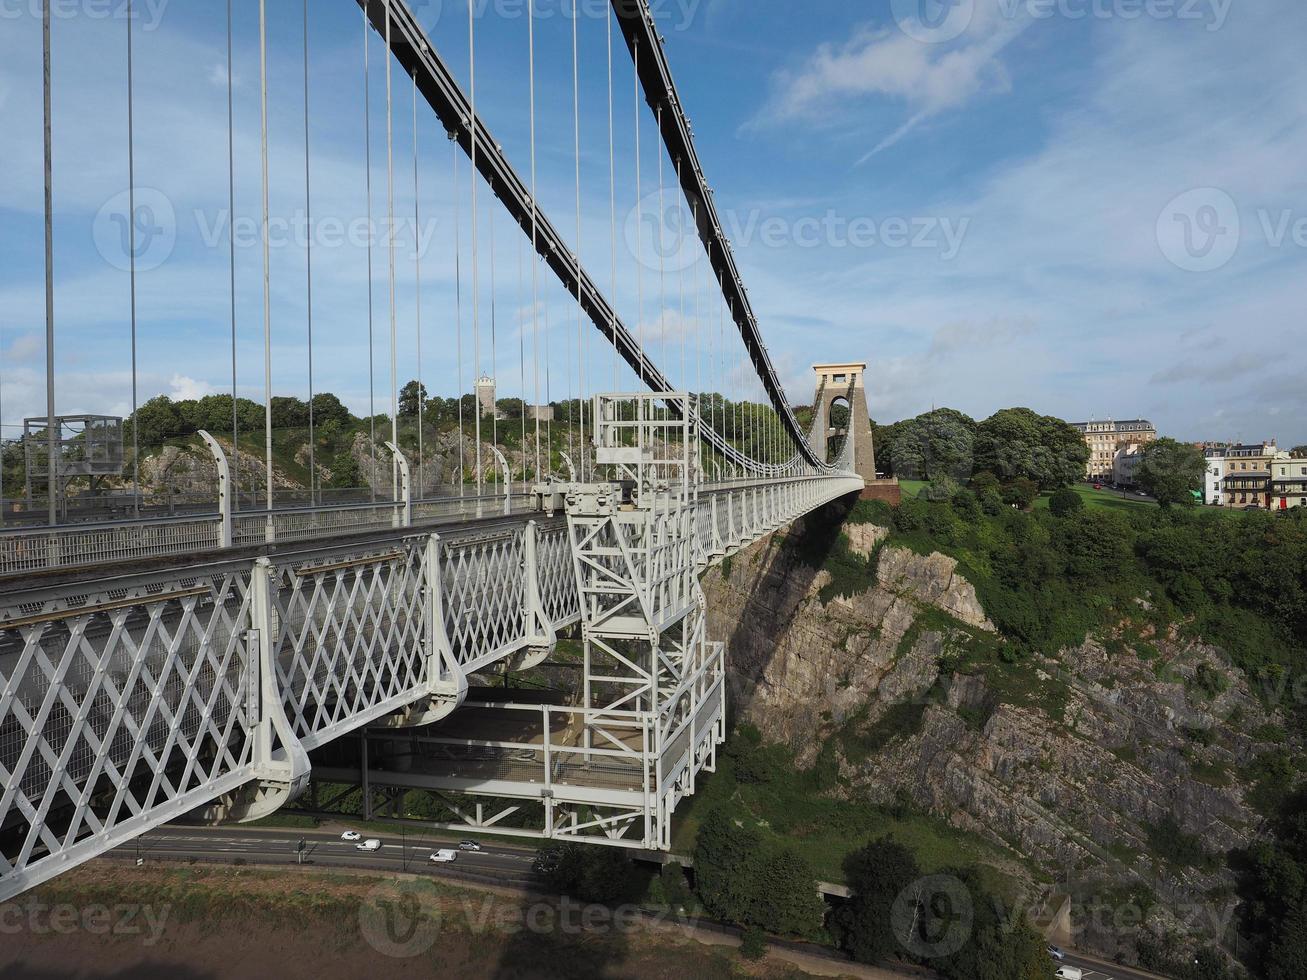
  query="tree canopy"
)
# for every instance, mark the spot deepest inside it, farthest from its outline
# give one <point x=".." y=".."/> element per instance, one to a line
<point x="938" y="444"/>
<point x="1171" y="471"/>
<point x="746" y="880"/>
<point x="1017" y="442"/>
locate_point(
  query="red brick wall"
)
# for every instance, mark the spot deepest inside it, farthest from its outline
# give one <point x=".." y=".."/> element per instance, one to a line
<point x="886" y="490"/>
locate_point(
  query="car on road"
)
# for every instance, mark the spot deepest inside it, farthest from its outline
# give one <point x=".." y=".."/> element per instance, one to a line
<point x="351" y="836"/>
<point x="468" y="845"/>
<point x="371" y="844"/>
<point x="443" y="856"/>
<point x="1056" y="953"/>
<point x="1068" y="973"/>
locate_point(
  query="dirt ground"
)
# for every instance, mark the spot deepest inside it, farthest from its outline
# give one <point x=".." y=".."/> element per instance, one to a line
<point x="106" y="922"/>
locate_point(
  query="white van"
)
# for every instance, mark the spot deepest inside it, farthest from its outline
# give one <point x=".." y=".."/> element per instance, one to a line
<point x="443" y="856"/>
<point x="1069" y="973"/>
<point x="371" y="844"/>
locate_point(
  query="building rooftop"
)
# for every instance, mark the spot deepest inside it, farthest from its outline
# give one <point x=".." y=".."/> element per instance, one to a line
<point x="1125" y="424"/>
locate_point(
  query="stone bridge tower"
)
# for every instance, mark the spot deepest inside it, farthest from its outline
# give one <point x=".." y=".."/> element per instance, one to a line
<point x="844" y="383"/>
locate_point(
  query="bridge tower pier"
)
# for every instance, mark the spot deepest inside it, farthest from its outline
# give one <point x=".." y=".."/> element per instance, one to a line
<point x="653" y="683"/>
<point x="844" y="382"/>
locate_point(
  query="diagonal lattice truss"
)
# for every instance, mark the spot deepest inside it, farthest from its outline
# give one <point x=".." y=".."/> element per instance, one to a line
<point x="131" y="699"/>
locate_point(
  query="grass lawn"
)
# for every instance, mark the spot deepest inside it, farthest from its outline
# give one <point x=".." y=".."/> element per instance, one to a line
<point x="1102" y="499"/>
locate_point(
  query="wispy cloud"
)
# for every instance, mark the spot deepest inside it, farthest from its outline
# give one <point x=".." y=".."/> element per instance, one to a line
<point x="885" y="62"/>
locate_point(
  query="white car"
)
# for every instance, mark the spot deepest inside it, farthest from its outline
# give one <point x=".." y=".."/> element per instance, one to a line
<point x="350" y="836"/>
<point x="371" y="844"/>
<point x="1068" y="973"/>
<point x="443" y="856"/>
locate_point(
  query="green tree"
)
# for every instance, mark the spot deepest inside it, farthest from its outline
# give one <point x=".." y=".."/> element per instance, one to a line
<point x="1066" y="502"/>
<point x="328" y="408"/>
<point x="877" y="873"/>
<point x="1170" y="471"/>
<point x="345" y="471"/>
<point x="1287" y="957"/>
<point x="410" y="397"/>
<point x="158" y="419"/>
<point x="747" y="880"/>
<point x="289" y="412"/>
<point x="938" y="444"/>
<point x="1017" y="442"/>
<point x="997" y="944"/>
<point x="1022" y="492"/>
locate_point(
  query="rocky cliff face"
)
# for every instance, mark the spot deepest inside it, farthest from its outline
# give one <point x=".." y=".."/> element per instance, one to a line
<point x="1125" y="759"/>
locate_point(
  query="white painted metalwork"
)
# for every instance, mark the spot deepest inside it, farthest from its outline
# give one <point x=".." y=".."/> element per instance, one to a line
<point x="130" y="698"/>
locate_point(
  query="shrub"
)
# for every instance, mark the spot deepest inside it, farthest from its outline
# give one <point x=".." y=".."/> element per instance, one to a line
<point x="1066" y="502"/>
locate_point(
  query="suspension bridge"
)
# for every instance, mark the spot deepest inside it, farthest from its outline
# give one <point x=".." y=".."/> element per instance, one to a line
<point x="211" y="664"/>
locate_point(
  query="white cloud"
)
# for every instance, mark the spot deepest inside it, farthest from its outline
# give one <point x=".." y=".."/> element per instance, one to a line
<point x="185" y="389"/>
<point x="927" y="79"/>
<point x="24" y="348"/>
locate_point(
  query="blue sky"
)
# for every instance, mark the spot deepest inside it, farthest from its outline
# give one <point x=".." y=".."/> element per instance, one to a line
<point x="1096" y="208"/>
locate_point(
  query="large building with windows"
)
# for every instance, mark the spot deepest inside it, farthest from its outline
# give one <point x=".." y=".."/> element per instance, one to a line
<point x="1288" y="482"/>
<point x="1105" y="439"/>
<point x="1214" y="478"/>
<point x="1247" y="479"/>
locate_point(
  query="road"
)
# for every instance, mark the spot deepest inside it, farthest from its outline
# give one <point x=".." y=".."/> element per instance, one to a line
<point x="1098" y="970"/>
<point x="505" y="865"/>
<point x="498" y="862"/>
